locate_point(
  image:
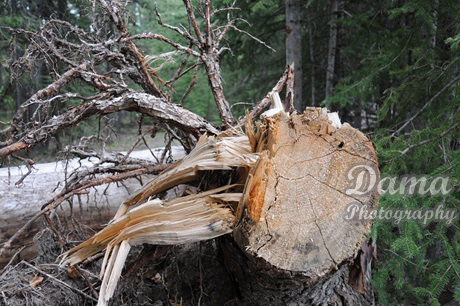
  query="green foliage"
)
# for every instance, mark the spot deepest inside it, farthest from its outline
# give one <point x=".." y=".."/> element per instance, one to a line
<point x="454" y="42"/>
<point x="397" y="62"/>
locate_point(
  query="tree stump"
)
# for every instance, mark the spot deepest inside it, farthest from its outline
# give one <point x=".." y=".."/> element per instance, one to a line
<point x="292" y="243"/>
<point x="298" y="246"/>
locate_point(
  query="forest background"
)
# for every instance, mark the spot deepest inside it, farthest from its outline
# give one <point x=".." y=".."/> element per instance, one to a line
<point x="390" y="68"/>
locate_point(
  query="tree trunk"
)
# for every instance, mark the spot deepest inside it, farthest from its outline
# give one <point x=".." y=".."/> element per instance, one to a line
<point x="312" y="59"/>
<point x="294" y="47"/>
<point x="331" y="50"/>
<point x="434" y="23"/>
<point x="295" y="245"/>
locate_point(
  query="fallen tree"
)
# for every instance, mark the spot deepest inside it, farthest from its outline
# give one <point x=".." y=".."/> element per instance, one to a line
<point x="279" y="189"/>
<point x="289" y="217"/>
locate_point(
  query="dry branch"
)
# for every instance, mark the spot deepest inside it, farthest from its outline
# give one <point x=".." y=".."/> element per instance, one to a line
<point x="136" y="102"/>
<point x="265" y="102"/>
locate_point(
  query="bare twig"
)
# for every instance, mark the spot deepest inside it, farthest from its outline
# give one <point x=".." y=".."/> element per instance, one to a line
<point x="266" y="101"/>
<point x="181" y="32"/>
<point x="58" y="281"/>
<point x="190" y="86"/>
<point x="240" y="103"/>
<point x="421" y="143"/>
<point x="61" y="242"/>
<point x="29" y="164"/>
<point x="88" y="281"/>
<point x="252" y="36"/>
<point x="192" y="20"/>
<point x="163" y="38"/>
<point x="135" y="144"/>
<point x="12" y="258"/>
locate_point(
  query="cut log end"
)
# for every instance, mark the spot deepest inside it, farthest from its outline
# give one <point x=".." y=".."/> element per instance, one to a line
<point x="295" y="202"/>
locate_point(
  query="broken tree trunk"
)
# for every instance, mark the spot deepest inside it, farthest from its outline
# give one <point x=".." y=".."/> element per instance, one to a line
<point x="295" y="245"/>
<point x="291" y="241"/>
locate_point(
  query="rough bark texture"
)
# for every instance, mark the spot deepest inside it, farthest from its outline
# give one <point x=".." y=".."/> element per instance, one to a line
<point x="311" y="45"/>
<point x="331" y="50"/>
<point x="213" y="71"/>
<point x="136" y="102"/>
<point x="291" y="244"/>
<point x="262" y="284"/>
<point x="294" y="47"/>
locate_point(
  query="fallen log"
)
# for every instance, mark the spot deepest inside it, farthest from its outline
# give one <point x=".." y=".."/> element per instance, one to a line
<point x="291" y="241"/>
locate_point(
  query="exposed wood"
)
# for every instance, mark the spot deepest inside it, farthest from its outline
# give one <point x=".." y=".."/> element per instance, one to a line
<point x="211" y="153"/>
<point x="289" y="101"/>
<point x="290" y="216"/>
<point x="182" y="220"/>
<point x="280" y="189"/>
<point x="265" y="102"/>
<point x="292" y="225"/>
<point x="299" y="214"/>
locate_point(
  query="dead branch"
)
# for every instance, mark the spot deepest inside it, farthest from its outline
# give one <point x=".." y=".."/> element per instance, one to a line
<point x="58" y="281"/>
<point x="113" y="95"/>
<point x="29" y="164"/>
<point x="141" y="64"/>
<point x="289" y="102"/>
<point x="267" y="100"/>
<point x="190" y="86"/>
<point x="88" y="281"/>
<point x="74" y="54"/>
<point x="5" y="268"/>
<point x="421" y="143"/>
<point x="138" y="102"/>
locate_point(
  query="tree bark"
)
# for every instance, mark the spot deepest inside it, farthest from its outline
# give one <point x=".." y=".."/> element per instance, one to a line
<point x="139" y="102"/>
<point x="294" y="47"/>
<point x="311" y="41"/>
<point x="262" y="284"/>
<point x="213" y="71"/>
<point x="434" y="23"/>
<point x="331" y="50"/>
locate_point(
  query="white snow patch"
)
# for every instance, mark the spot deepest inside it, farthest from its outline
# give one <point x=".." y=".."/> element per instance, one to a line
<point x="74" y="163"/>
<point x="334" y="117"/>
